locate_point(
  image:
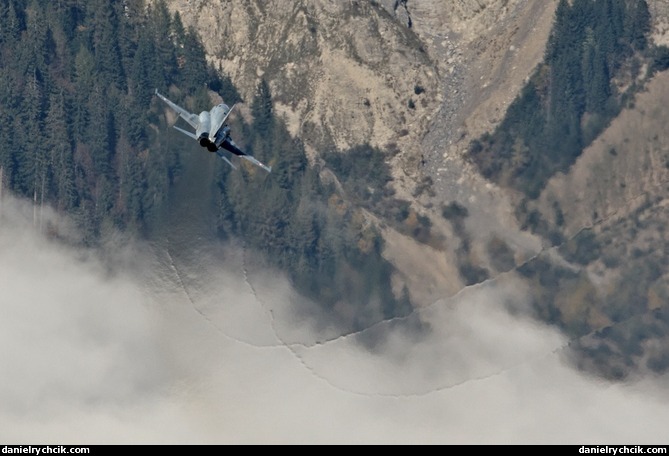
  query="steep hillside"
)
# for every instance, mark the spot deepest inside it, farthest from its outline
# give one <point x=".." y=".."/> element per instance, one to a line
<point x="612" y="207"/>
<point x="405" y="77"/>
<point x="421" y="81"/>
<point x="342" y="73"/>
<point x="626" y="166"/>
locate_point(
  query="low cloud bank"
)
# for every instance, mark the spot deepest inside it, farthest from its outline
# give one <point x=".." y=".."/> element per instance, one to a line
<point x="163" y="347"/>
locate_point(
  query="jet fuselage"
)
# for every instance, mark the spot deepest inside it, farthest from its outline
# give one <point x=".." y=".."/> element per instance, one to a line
<point x="205" y="137"/>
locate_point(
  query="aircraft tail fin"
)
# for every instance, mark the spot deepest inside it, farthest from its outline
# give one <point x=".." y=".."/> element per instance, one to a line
<point x="225" y="159"/>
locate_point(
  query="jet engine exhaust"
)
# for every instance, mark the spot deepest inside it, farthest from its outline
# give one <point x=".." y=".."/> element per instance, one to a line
<point x="204" y="140"/>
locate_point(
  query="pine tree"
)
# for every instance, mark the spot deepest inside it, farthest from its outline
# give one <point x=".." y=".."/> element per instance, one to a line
<point x="637" y="24"/>
<point x="193" y="74"/>
<point x="595" y="75"/>
<point x="39" y="37"/>
<point x="11" y="23"/>
<point x="58" y="145"/>
<point x="100" y="136"/>
<point x="29" y="160"/>
<point x="7" y="159"/>
<point x="160" y="30"/>
<point x="261" y="109"/>
<point x="142" y="72"/>
<point x="559" y="31"/>
<point x="132" y="186"/>
<point x="104" y="23"/>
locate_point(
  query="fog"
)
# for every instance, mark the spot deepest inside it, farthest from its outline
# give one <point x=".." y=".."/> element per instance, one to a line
<point x="144" y="343"/>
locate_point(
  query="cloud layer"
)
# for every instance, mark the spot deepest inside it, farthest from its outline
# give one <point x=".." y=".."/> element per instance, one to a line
<point x="158" y="345"/>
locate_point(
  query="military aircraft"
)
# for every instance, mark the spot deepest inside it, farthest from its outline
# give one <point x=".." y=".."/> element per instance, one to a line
<point x="212" y="132"/>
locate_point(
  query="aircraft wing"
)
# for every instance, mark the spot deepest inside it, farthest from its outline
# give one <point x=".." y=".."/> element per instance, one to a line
<point x="256" y="162"/>
<point x="225" y="159"/>
<point x="230" y="145"/>
<point x="189" y="117"/>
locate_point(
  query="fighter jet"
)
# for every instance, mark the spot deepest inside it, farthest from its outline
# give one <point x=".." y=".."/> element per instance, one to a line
<point x="212" y="132"/>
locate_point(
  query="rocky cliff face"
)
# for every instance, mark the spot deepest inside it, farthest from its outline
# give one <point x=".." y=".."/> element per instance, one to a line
<point x="419" y="79"/>
<point x="424" y="78"/>
<point x="341" y="73"/>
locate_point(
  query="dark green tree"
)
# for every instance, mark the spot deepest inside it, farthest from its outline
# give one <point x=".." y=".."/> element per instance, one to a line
<point x="637" y="24"/>
<point x="143" y="71"/>
<point x="570" y="99"/>
<point x="39" y="36"/>
<point x="11" y="22"/>
<point x="160" y="29"/>
<point x="104" y="24"/>
<point x="31" y="165"/>
<point x="58" y="146"/>
<point x="100" y="136"/>
<point x="194" y="73"/>
<point x="261" y="109"/>
<point x="596" y="77"/>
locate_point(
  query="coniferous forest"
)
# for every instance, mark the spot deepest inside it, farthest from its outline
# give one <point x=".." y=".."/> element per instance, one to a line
<point x="591" y="69"/>
<point x="76" y="89"/>
<point x="597" y="59"/>
<point x="80" y="131"/>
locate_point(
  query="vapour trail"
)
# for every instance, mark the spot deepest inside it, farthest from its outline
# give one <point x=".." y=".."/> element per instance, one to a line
<point x="293" y="347"/>
<point x="208" y="319"/>
<point x="491" y="280"/>
<point x="446" y="301"/>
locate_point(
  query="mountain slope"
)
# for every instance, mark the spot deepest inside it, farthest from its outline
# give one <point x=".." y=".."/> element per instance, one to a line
<point x="341" y="73"/>
<point x="422" y="80"/>
<point x="350" y="73"/>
